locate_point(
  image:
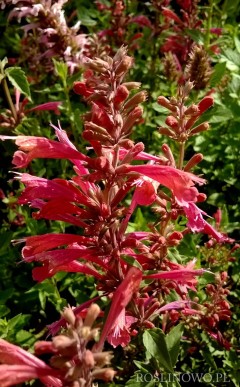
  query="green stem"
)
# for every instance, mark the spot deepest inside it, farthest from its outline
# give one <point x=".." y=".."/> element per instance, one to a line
<point x="209" y="24"/>
<point x="8" y="95"/>
<point x="181" y="155"/>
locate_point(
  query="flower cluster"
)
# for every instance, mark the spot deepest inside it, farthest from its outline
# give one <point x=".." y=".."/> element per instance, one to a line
<point x="132" y="269"/>
<point x="47" y="30"/>
<point x="72" y="363"/>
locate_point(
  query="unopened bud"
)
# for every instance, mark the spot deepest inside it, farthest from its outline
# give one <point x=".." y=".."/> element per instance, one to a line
<point x="97" y="64"/>
<point x="102" y="358"/>
<point x="61" y="342"/>
<point x="175" y="235"/>
<point x="193" y="109"/>
<point x="195" y="159"/>
<point x="92" y="314"/>
<point x="166" y="132"/>
<point x="132" y="85"/>
<point x="41" y="347"/>
<point x="172" y="122"/>
<point x="92" y="126"/>
<point x="89" y="359"/>
<point x="69" y="316"/>
<point x="136" y="100"/>
<point x="124" y="65"/>
<point x="121" y="94"/>
<point x="205" y="104"/>
<point x="148" y="324"/>
<point x="201" y="197"/>
<point x="200" y="128"/>
<point x="106" y="374"/>
<point x="90" y="135"/>
<point x="191" y="122"/>
<point x="168" y="153"/>
<point x="165" y="103"/>
<point x="132" y="118"/>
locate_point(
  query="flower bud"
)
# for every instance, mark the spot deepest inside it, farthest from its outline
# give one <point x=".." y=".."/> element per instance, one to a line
<point x="106" y="374"/>
<point x="82" y="89"/>
<point x="136" y="99"/>
<point x="166" y="132"/>
<point x="121" y="95"/>
<point x="124" y="66"/>
<point x="172" y="122"/>
<point x="62" y="342"/>
<point x="168" y="153"/>
<point x="89" y="359"/>
<point x="195" y="159"/>
<point x="92" y="314"/>
<point x="102" y="358"/>
<point x="201" y="197"/>
<point x="205" y="104"/>
<point x="132" y="85"/>
<point x="132" y="118"/>
<point x="200" y="128"/>
<point x="69" y="316"/>
<point x="165" y="103"/>
<point x="193" y="109"/>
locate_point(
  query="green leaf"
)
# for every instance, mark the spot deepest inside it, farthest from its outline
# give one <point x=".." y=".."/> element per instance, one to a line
<point x="141" y="380"/>
<point x="61" y="70"/>
<point x="4" y="310"/>
<point x="196" y="35"/>
<point x="218" y="73"/>
<point x="4" y="62"/>
<point x="154" y="341"/>
<point x="18" y="79"/>
<point x="173" y="342"/>
<point x="237" y="43"/>
<point x="131" y="261"/>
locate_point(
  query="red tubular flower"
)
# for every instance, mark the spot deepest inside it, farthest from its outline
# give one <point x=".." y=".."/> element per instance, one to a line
<point x="179" y="182"/>
<point x="121" y="297"/>
<point x="197" y="224"/>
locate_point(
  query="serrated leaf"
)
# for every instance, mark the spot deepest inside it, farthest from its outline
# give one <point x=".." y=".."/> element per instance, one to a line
<point x="61" y="69"/>
<point x="173" y="342"/>
<point x="154" y="341"/>
<point x="218" y="73"/>
<point x="18" y="79"/>
<point x="4" y="62"/>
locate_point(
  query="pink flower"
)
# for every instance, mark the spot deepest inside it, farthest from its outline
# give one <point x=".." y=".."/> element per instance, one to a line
<point x="182" y="275"/>
<point x="120" y="334"/>
<point x="20" y="366"/>
<point x="179" y="182"/>
<point x="196" y="223"/>
<point x="121" y="298"/>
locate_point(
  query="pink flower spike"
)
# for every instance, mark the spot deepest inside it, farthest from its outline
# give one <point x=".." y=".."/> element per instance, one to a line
<point x="121" y="298"/>
<point x="20" y="366"/>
